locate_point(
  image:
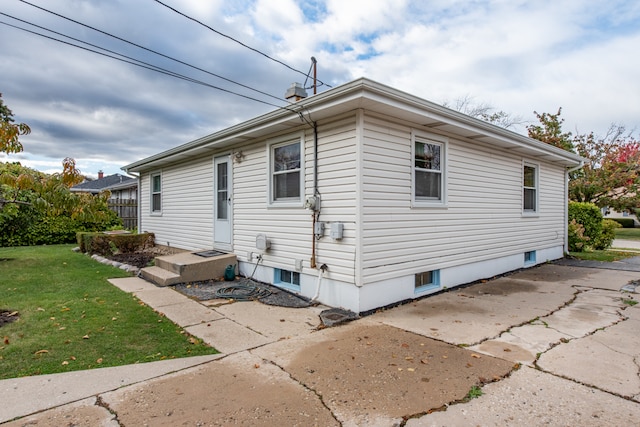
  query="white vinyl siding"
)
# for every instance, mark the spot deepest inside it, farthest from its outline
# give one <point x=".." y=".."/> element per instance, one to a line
<point x="290" y="227"/>
<point x="187" y="214"/>
<point x="483" y="219"/>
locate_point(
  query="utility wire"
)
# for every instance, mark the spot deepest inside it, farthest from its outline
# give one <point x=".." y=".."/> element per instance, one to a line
<point x="138" y="46"/>
<point x="151" y="67"/>
<point x="238" y="41"/>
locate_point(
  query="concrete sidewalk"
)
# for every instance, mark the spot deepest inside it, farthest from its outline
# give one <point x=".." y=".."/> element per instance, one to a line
<point x="551" y="345"/>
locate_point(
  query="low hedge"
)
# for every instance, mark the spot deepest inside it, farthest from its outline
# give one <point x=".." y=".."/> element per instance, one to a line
<point x="109" y="244"/>
<point x="625" y="222"/>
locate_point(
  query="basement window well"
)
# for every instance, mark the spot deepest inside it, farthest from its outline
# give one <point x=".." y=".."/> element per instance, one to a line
<point x="287" y="279"/>
<point x="427" y="281"/>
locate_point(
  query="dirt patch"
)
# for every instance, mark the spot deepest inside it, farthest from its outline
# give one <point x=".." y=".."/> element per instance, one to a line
<point x="378" y="371"/>
<point x="552" y="273"/>
<point x="143" y="258"/>
<point x="8" y="316"/>
<point x="503" y="286"/>
<point x="137" y="259"/>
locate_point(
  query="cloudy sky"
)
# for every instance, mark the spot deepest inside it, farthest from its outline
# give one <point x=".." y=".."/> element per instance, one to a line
<point x="517" y="56"/>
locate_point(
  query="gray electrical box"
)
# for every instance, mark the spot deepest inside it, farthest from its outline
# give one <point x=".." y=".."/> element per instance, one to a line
<point x="262" y="243"/>
<point x="337" y="229"/>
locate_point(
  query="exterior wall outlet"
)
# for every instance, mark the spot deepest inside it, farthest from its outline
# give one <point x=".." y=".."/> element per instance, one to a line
<point x="318" y="229"/>
<point x="298" y="265"/>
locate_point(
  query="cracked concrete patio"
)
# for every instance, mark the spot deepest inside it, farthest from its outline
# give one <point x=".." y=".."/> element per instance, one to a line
<point x="572" y="330"/>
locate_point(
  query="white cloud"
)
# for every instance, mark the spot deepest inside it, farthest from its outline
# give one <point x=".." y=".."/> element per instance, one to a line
<point x="517" y="55"/>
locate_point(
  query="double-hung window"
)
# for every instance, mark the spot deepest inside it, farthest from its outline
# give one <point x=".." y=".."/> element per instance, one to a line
<point x="428" y="171"/>
<point x="156" y="193"/>
<point x="530" y="189"/>
<point x="286" y="166"/>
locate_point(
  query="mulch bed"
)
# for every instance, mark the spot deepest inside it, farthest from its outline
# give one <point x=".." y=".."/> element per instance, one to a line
<point x="137" y="259"/>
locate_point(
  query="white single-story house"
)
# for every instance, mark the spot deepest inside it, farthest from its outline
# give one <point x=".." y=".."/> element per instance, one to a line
<point x="362" y="196"/>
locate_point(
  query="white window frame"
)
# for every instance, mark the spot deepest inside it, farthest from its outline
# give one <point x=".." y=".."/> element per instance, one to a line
<point x="443" y="142"/>
<point x="536" y="188"/>
<point x="152" y="193"/>
<point x="271" y="146"/>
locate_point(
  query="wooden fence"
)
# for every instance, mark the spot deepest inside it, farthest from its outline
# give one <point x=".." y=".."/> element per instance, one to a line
<point x="127" y="210"/>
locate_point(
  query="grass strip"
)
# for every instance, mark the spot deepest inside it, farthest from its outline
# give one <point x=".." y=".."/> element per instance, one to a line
<point x="71" y="318"/>
<point x="606" y="256"/>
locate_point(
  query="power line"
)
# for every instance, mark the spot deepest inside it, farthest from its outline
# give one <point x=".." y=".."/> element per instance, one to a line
<point x="237" y="41"/>
<point x="138" y="46"/>
<point x="148" y="66"/>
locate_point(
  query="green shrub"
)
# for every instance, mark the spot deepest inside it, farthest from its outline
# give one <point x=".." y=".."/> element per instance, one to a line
<point x="589" y="216"/>
<point x="109" y="244"/>
<point x="607" y="235"/>
<point x="625" y="222"/>
<point x="577" y="240"/>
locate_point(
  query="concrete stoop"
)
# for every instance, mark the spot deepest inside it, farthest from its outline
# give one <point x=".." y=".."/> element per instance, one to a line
<point x="187" y="267"/>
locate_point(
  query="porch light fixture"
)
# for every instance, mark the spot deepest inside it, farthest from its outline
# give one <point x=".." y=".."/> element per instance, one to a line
<point x="238" y="156"/>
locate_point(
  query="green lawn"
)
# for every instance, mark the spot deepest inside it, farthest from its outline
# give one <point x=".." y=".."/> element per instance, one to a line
<point x="608" y="256"/>
<point x="628" y="233"/>
<point x="71" y="318"/>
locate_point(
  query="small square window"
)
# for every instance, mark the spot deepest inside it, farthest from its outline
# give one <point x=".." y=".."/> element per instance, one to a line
<point x="529" y="257"/>
<point x="427" y="280"/>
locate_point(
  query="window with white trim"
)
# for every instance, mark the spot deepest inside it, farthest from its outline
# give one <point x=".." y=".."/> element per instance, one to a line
<point x="530" y="189"/>
<point x="286" y="181"/>
<point x="156" y="193"/>
<point x="428" y="171"/>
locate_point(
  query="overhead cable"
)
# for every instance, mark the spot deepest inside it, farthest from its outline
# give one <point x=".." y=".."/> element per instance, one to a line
<point x="237" y="41"/>
<point x="148" y="66"/>
<point x="140" y="47"/>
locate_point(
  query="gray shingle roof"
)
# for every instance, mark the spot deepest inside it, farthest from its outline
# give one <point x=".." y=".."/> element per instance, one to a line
<point x="98" y="185"/>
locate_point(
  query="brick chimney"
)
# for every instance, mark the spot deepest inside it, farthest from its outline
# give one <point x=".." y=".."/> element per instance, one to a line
<point x="100" y="174"/>
<point x="295" y="93"/>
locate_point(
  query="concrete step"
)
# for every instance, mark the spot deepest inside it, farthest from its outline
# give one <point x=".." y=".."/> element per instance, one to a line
<point x="160" y="276"/>
<point x="187" y="267"/>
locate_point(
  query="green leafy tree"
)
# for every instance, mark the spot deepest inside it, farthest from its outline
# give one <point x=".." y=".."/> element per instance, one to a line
<point x="550" y="131"/>
<point x="611" y="175"/>
<point x="40" y="209"/>
<point x="10" y="131"/>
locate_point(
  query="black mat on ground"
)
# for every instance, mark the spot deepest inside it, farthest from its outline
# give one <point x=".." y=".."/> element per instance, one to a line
<point x="242" y="289"/>
<point x="209" y="254"/>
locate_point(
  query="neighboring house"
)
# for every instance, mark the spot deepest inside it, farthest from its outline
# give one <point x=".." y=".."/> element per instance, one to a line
<point x="120" y="186"/>
<point x="610" y="213"/>
<point x="124" y="195"/>
<point x="414" y="197"/>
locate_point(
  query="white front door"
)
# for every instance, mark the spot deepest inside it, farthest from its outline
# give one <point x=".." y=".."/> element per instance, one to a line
<point x="223" y="203"/>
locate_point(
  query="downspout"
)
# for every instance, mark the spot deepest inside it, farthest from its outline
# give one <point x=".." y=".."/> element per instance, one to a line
<point x="315" y="210"/>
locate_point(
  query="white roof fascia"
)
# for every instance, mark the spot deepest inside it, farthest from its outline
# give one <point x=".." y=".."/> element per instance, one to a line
<point x="366" y="94"/>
